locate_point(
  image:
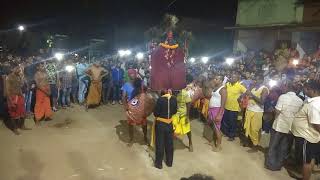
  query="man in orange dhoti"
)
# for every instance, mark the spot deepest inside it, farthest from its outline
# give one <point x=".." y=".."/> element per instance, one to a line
<point x="15" y="99"/>
<point x="42" y="109"/>
<point x="96" y="73"/>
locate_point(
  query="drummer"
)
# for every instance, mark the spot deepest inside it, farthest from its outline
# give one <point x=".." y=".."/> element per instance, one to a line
<point x="127" y="89"/>
<point x="136" y="110"/>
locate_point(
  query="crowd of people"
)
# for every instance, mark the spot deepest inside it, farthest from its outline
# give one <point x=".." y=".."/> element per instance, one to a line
<point x="44" y="84"/>
<point x="251" y="94"/>
<point x="254" y="94"/>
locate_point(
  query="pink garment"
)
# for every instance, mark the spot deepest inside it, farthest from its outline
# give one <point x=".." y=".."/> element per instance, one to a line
<point x="213" y="112"/>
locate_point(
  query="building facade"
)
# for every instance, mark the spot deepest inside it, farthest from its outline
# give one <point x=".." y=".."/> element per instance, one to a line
<point x="264" y="24"/>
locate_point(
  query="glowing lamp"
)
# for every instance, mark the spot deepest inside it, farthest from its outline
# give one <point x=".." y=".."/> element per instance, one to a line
<point x="205" y="59"/>
<point x="295" y="62"/>
<point x="230" y="61"/>
<point x="272" y="83"/>
<point x="69" y="68"/>
<point x="139" y="55"/>
<point x="58" y="56"/>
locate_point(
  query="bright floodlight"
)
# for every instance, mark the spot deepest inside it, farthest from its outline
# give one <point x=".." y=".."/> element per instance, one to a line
<point x="122" y="53"/>
<point x="140" y="55"/>
<point x="295" y="62"/>
<point x="229" y="61"/>
<point x="205" y="59"/>
<point x="192" y="60"/>
<point x="272" y="83"/>
<point x="128" y="52"/>
<point x="69" y="68"/>
<point x="59" y="56"/>
<point x="21" y="28"/>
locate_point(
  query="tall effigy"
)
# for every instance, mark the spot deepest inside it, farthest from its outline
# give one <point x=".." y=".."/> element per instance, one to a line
<point x="168" y="69"/>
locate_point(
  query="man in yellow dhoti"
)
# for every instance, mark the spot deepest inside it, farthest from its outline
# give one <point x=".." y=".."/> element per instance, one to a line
<point x="96" y="73"/>
<point x="181" y="122"/>
<point x="254" y="113"/>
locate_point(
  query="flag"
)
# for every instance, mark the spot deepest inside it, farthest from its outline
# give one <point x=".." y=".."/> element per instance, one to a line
<point x="300" y="50"/>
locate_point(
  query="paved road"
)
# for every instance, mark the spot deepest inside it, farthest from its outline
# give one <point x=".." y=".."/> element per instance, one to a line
<point x="79" y="145"/>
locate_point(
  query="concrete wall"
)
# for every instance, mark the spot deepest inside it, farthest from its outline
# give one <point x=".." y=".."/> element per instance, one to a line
<point x="263" y="12"/>
<point x="261" y="39"/>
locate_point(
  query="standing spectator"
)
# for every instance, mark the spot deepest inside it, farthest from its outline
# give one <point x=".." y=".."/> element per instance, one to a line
<point x="117" y="81"/>
<point x="75" y="85"/>
<point x="306" y="129"/>
<point x="281" y="140"/>
<point x="229" y="122"/>
<point x="29" y="72"/>
<point x="106" y="84"/>
<point x="216" y="109"/>
<point x="83" y="82"/>
<point x="66" y="87"/>
<point x="51" y="69"/>
<point x="270" y="103"/>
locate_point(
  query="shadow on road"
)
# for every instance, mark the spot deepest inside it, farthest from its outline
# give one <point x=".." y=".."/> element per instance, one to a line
<point x="31" y="163"/>
<point x="66" y="123"/>
<point x="123" y="133"/>
<point x="81" y="166"/>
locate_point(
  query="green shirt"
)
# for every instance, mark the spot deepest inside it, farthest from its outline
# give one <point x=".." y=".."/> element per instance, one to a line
<point x="51" y="69"/>
<point x="183" y="98"/>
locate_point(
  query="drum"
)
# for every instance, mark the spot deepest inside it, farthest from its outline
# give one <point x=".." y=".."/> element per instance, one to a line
<point x="139" y="108"/>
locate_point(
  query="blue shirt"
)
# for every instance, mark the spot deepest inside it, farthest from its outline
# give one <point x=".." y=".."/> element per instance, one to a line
<point x="81" y="68"/>
<point x="247" y="83"/>
<point x="117" y="75"/>
<point x="128" y="89"/>
<point x="30" y="71"/>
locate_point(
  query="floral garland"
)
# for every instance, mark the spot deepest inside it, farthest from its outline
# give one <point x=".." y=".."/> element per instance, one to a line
<point x="169" y="54"/>
<point x="167" y="46"/>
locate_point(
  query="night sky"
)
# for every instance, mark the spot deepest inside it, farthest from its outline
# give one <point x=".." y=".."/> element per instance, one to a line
<point x="84" y="19"/>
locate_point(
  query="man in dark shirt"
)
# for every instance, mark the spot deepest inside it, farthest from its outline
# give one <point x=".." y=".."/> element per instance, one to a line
<point x="29" y="72"/>
<point x="106" y="83"/>
<point x="165" y="108"/>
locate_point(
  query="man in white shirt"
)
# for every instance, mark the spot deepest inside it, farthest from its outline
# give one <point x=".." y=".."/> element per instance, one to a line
<point x="306" y="129"/>
<point x="281" y="139"/>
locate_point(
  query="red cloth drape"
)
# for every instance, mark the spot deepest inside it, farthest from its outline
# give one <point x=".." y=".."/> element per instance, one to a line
<point x="165" y="77"/>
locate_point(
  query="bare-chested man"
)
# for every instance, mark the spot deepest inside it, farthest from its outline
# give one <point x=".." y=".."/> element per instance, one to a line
<point x="96" y="73"/>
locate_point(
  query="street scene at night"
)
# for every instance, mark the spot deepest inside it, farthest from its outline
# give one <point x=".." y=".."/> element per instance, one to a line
<point x="168" y="90"/>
